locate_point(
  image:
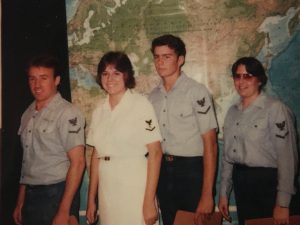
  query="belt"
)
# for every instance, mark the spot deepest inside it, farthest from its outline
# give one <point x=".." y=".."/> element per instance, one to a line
<point x="41" y="186"/>
<point x="171" y="158"/>
<point x="108" y="158"/>
<point x="243" y="167"/>
<point x="105" y="158"/>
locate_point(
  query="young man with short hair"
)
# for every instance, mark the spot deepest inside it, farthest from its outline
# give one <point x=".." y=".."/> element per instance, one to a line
<point x="52" y="135"/>
<point x="188" y="126"/>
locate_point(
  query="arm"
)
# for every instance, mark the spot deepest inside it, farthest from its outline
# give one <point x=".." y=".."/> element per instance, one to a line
<point x="206" y="203"/>
<point x="225" y="188"/>
<point x="154" y="159"/>
<point x="93" y="187"/>
<point x="283" y="136"/>
<point x="73" y="179"/>
<point x="17" y="214"/>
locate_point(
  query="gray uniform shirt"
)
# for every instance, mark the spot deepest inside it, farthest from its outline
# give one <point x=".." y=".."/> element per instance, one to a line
<point x="47" y="135"/>
<point x="184" y="113"/>
<point x="262" y="135"/>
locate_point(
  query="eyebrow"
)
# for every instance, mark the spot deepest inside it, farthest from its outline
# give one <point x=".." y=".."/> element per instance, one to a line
<point x="167" y="54"/>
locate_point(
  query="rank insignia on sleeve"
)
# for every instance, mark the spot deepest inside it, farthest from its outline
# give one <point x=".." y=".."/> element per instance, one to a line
<point x="282" y="136"/>
<point x="75" y="131"/>
<point x="73" y="122"/>
<point x="281" y="125"/>
<point x="201" y="102"/>
<point x="204" y="112"/>
<point x="150" y="127"/>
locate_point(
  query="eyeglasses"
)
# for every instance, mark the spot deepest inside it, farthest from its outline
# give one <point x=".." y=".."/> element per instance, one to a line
<point x="245" y="76"/>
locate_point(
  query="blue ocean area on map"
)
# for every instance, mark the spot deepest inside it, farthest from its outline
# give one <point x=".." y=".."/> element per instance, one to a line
<point x="284" y="75"/>
<point x="71" y="8"/>
<point x="84" y="78"/>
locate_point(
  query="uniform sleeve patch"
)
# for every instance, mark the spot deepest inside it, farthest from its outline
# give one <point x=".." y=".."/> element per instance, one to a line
<point x="201" y="102"/>
<point x="282" y="136"/>
<point x="75" y="131"/>
<point x="149" y="125"/>
<point x="73" y="121"/>
<point x="281" y="125"/>
<point x="202" y="105"/>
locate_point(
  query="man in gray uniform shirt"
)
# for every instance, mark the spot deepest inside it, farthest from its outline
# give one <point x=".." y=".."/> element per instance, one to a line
<point x="188" y="126"/>
<point x="52" y="135"/>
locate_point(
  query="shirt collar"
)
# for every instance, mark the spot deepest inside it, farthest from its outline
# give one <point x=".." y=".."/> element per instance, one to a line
<point x="51" y="104"/>
<point x="259" y="102"/>
<point x="180" y="80"/>
<point x="127" y="95"/>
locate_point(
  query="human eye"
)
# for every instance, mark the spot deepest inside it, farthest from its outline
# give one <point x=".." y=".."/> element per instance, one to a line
<point x="167" y="56"/>
<point x="248" y="76"/>
<point x="117" y="73"/>
<point x="104" y="74"/>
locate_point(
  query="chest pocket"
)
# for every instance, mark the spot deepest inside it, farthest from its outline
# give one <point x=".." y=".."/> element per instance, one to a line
<point x="46" y="126"/>
<point x="182" y="108"/>
<point x="184" y="113"/>
<point x="257" y="128"/>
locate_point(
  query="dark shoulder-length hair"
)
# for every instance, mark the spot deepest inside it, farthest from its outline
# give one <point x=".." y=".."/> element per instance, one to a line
<point x="254" y="67"/>
<point x="121" y="62"/>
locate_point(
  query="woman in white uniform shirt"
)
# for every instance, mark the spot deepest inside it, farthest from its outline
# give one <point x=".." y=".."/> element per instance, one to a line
<point x="260" y="153"/>
<point x="126" y="157"/>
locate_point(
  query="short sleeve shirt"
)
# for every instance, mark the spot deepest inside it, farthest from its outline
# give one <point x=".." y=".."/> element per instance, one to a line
<point x="47" y="135"/>
<point x="184" y="113"/>
<point x="126" y="130"/>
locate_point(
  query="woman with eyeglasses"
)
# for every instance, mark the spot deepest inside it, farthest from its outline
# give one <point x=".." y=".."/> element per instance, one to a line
<point x="260" y="155"/>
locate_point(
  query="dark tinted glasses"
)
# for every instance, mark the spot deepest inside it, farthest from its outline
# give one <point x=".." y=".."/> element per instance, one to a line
<point x="245" y="76"/>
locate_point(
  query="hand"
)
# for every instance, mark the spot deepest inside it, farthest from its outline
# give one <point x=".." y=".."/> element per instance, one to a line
<point x="223" y="207"/>
<point x="91" y="213"/>
<point x="281" y="215"/>
<point x="150" y="213"/>
<point x="61" y="218"/>
<point x="17" y="215"/>
<point x="204" y="209"/>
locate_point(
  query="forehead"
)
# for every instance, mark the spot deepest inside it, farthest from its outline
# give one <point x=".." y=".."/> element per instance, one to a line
<point x="110" y="67"/>
<point x="164" y="50"/>
<point x="241" y="68"/>
<point x="40" y="71"/>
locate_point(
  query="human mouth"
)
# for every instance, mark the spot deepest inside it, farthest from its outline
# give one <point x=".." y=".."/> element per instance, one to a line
<point x="38" y="91"/>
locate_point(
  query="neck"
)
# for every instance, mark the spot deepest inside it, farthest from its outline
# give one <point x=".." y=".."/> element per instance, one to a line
<point x="248" y="101"/>
<point x="170" y="81"/>
<point x="41" y="104"/>
<point x="115" y="99"/>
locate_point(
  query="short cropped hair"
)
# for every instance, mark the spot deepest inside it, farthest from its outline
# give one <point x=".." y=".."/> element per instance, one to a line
<point x="121" y="62"/>
<point x="47" y="61"/>
<point x="172" y="42"/>
<point x="254" y="67"/>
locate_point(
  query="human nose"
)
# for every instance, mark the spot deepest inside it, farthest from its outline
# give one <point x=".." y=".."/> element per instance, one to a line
<point x="159" y="61"/>
<point x="35" y="82"/>
<point x="110" y="77"/>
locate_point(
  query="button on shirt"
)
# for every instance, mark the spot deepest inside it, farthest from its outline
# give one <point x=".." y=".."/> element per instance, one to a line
<point x="47" y="135"/>
<point x="184" y="113"/>
<point x="262" y="135"/>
